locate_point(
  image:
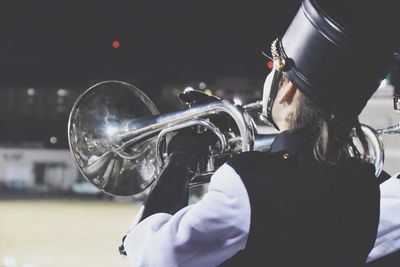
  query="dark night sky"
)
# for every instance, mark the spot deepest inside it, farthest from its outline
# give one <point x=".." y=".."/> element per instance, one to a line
<point x="53" y="41"/>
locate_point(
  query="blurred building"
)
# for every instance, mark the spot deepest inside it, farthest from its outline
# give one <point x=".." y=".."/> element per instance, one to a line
<point x="34" y="154"/>
<point x="35" y="116"/>
<point x="41" y="102"/>
<point x="37" y="169"/>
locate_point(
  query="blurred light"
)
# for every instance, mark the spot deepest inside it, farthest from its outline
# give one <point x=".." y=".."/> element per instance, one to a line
<point x="270" y="64"/>
<point x="208" y="92"/>
<point x="10" y="261"/>
<point x="62" y="92"/>
<point x="53" y="140"/>
<point x="115" y="44"/>
<point x="384" y="83"/>
<point x="175" y="91"/>
<point x="31" y="92"/>
<point x="257" y="93"/>
<point x="237" y="101"/>
<point x="220" y="93"/>
<point x="111" y="130"/>
<point x="202" y="85"/>
<point x="188" y="89"/>
<point x="60" y="100"/>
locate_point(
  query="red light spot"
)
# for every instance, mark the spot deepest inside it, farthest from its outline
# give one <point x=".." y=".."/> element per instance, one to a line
<point x="270" y="64"/>
<point x="115" y="44"/>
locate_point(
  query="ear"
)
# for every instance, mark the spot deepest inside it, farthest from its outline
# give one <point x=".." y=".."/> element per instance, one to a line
<point x="288" y="93"/>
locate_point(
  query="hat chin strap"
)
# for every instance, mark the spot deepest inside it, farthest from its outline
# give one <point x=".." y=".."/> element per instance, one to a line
<point x="272" y="96"/>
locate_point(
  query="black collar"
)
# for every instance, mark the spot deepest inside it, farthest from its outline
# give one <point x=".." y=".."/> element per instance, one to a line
<point x="292" y="141"/>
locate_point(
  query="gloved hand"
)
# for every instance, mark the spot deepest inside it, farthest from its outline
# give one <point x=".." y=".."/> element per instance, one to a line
<point x="188" y="142"/>
<point x="170" y="191"/>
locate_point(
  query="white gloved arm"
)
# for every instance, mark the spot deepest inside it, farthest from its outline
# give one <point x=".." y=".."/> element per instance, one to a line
<point x="204" y="234"/>
<point x="388" y="236"/>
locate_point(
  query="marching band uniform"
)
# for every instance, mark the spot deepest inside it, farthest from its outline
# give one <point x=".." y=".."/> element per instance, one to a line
<point x="277" y="208"/>
<point x="283" y="200"/>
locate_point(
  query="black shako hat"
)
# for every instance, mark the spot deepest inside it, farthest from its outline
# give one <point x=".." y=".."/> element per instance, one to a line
<point x="336" y="53"/>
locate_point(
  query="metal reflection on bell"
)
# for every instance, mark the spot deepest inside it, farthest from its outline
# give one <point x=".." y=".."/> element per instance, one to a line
<point x="112" y="164"/>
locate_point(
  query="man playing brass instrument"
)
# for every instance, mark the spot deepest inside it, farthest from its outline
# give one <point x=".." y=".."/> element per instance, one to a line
<point x="309" y="201"/>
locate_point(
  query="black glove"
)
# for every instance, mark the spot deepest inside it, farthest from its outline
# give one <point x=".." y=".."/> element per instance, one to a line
<point x="170" y="191"/>
<point x="194" y="145"/>
<point x="196" y="97"/>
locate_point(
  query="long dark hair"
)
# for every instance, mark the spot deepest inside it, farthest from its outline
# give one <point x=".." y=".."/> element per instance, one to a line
<point x="330" y="134"/>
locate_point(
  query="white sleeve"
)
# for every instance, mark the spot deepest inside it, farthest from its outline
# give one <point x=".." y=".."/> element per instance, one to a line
<point x="204" y="234"/>
<point x="388" y="237"/>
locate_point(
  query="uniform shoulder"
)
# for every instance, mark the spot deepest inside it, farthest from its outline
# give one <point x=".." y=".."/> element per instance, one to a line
<point x="253" y="159"/>
<point x="355" y="165"/>
<point x="357" y="176"/>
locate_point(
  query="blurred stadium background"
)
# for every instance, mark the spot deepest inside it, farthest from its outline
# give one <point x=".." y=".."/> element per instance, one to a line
<point x="52" y="51"/>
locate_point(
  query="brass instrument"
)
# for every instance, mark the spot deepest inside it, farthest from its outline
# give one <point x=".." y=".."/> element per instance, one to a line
<point x="118" y="137"/>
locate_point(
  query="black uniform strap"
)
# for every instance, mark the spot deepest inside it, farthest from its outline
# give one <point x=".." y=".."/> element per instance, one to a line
<point x="250" y="160"/>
